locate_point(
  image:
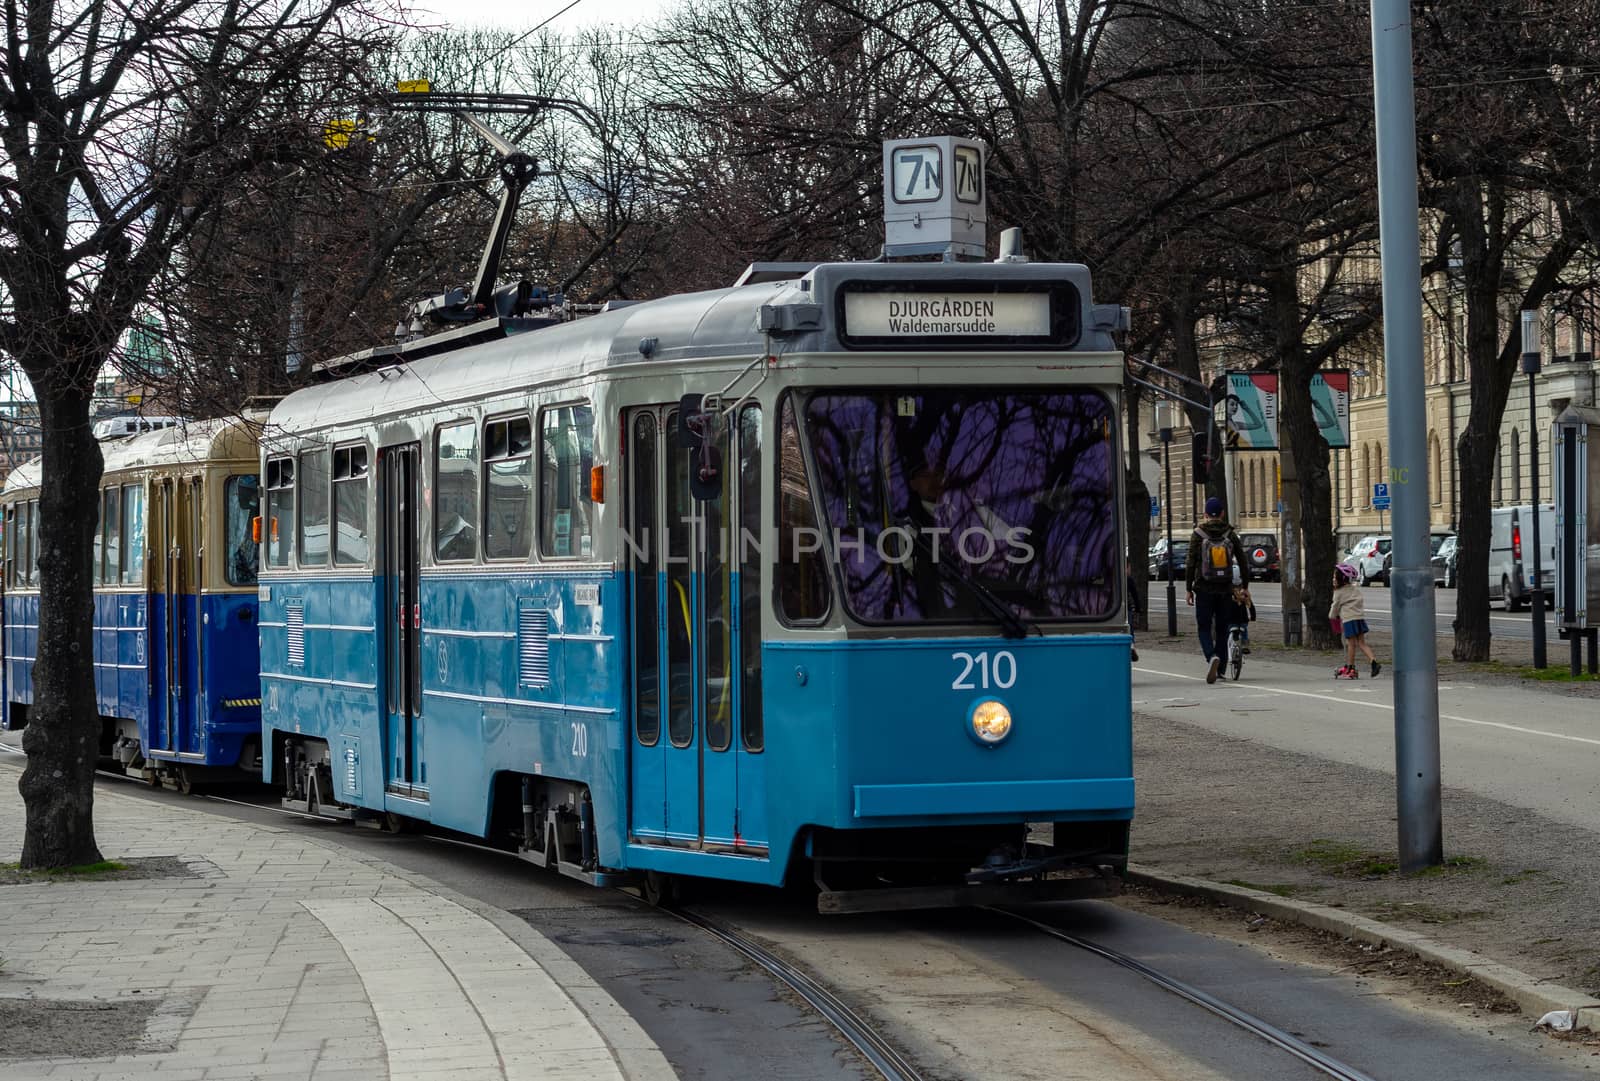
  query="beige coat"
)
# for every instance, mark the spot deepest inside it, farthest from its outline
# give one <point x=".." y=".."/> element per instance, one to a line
<point x="1347" y="604"/>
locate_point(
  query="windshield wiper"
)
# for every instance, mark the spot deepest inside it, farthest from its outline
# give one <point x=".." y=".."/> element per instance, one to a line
<point x="1013" y="625"/>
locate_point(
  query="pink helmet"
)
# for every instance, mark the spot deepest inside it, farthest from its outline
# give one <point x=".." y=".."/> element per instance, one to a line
<point x="1345" y="571"/>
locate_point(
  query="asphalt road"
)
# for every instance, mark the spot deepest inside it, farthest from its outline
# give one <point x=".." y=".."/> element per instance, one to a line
<point x="1380" y="611"/>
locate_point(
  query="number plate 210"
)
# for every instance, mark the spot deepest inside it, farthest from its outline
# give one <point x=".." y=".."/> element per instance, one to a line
<point x="997" y="671"/>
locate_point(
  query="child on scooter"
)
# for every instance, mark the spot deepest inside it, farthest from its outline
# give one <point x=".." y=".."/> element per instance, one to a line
<point x="1349" y="609"/>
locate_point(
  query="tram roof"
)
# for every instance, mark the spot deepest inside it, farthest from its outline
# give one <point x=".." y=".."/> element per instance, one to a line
<point x="686" y="328"/>
<point x="189" y="443"/>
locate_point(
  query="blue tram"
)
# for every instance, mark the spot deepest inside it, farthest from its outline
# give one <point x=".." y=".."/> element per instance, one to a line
<point x="174" y="601"/>
<point x="816" y="578"/>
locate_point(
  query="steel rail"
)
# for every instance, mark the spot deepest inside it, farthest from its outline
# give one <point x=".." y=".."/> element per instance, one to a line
<point x="1295" y="1046"/>
<point x="884" y="1058"/>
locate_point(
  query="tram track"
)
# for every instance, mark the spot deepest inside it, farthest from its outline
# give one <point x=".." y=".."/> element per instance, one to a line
<point x="1271" y="1034"/>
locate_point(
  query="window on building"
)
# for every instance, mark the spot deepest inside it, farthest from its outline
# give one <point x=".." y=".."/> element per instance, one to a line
<point x="566" y="515"/>
<point x="508" y="488"/>
<point x="351" y="544"/>
<point x="1436" y="476"/>
<point x="1516" y="467"/>
<point x="455" y="492"/>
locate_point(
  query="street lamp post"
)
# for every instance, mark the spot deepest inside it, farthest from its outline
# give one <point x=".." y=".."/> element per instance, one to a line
<point x="1164" y="423"/>
<point x="1530" y="364"/>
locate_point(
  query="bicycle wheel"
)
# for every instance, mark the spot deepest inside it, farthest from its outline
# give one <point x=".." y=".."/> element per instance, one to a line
<point x="1235" y="654"/>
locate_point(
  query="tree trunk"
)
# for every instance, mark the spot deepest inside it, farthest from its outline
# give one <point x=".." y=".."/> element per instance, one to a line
<point x="62" y="739"/>
<point x="1305" y="459"/>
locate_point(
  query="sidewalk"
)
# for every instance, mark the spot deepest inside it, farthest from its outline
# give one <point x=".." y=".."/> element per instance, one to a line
<point x="1279" y="790"/>
<point x="246" y="951"/>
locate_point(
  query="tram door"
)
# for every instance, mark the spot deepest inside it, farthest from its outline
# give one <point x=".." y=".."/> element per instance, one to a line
<point x="176" y="515"/>
<point x="695" y="639"/>
<point x="399" y="486"/>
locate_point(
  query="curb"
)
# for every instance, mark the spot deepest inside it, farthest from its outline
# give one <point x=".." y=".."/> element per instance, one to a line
<point x="1533" y="997"/>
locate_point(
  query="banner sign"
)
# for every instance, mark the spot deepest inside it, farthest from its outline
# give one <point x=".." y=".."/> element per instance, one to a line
<point x="1252" y="409"/>
<point x="895" y="315"/>
<point x="1330" y="405"/>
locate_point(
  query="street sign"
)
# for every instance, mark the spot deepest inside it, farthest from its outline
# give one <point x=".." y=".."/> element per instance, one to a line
<point x="1155" y="507"/>
<point x="1380" y="497"/>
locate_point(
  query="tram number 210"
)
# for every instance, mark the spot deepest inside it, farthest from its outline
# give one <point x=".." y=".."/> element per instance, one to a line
<point x="997" y="671"/>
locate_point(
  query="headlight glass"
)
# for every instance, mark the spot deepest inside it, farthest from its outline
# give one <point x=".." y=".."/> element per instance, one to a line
<point x="991" y="721"/>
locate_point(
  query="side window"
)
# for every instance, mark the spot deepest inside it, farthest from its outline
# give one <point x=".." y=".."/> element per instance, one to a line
<point x="507" y="488"/>
<point x="803" y="593"/>
<point x="280" y="510"/>
<point x="314" y="508"/>
<point x="11" y="545"/>
<point x="566" y="515"/>
<point x="97" y="566"/>
<point x="455" y="492"/>
<point x="132" y="534"/>
<point x="33" y="542"/>
<point x="350" y="469"/>
<point x="111" y="531"/>
<point x="241" y="498"/>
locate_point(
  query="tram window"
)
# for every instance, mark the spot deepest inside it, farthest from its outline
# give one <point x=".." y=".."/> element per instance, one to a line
<point x="111" y="536"/>
<point x="803" y="594"/>
<point x="1016" y="486"/>
<point x="132" y="534"/>
<point x="645" y="536"/>
<point x="680" y="515"/>
<point x="455" y="492"/>
<point x="350" y="469"/>
<point x="314" y="508"/>
<point x="97" y="564"/>
<point x="33" y="542"/>
<point x="508" y="488"/>
<point x="716" y="644"/>
<point x="241" y="499"/>
<point x="280" y="510"/>
<point x="11" y="543"/>
<point x="748" y="551"/>
<point x="565" y="513"/>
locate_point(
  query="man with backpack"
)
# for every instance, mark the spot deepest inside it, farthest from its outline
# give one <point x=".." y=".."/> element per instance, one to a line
<point x="1215" y="566"/>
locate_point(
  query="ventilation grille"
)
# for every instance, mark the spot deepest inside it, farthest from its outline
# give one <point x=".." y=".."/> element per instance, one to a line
<point x="295" y="617"/>
<point x="533" y="646"/>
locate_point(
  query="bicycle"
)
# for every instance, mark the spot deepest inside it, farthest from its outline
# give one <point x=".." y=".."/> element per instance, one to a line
<point x="1236" y="649"/>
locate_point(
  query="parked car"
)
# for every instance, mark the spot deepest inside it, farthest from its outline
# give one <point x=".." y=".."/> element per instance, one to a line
<point x="1260" y="556"/>
<point x="1436" y="541"/>
<point x="1367" y="556"/>
<point x="1511" y="552"/>
<point x="1158" y="559"/>
<point x="1444" y="562"/>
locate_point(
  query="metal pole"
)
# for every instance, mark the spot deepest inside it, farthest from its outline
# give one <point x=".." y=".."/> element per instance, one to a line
<point x="1416" y="676"/>
<point x="1530" y="364"/>
<point x="1172" y="586"/>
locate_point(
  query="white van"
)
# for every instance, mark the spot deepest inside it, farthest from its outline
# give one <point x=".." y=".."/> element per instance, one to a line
<point x="1511" y="553"/>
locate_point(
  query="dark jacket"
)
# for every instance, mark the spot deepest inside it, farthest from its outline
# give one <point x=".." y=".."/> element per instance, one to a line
<point x="1207" y="531"/>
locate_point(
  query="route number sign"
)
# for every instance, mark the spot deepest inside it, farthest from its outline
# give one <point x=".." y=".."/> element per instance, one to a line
<point x="918" y="174"/>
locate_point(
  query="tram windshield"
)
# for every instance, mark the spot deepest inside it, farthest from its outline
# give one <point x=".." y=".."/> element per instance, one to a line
<point x="1014" y="489"/>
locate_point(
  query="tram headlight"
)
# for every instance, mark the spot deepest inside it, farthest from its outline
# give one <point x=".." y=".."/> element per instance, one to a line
<point x="991" y="721"/>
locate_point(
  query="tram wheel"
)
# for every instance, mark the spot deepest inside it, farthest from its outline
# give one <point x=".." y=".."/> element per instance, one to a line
<point x="659" y="890"/>
<point x="398" y="823"/>
<point x="184" y="780"/>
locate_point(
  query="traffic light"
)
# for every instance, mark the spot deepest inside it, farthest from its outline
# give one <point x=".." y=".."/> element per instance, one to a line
<point x="1201" y="454"/>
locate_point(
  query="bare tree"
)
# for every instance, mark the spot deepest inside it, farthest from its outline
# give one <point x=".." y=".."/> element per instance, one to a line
<point x="124" y="124"/>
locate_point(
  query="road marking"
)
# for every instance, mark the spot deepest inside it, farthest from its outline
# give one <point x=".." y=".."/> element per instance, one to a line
<point x="1389" y="707"/>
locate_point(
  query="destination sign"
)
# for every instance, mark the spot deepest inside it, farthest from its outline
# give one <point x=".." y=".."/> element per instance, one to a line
<point x="909" y="315"/>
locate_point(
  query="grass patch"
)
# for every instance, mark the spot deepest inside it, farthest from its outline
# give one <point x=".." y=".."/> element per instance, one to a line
<point x="82" y="870"/>
<point x="1340" y="858"/>
<point x="1423" y="912"/>
<point x="1560" y="672"/>
<point x="1280" y="889"/>
<point x="1455" y="863"/>
<point x="1520" y="876"/>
